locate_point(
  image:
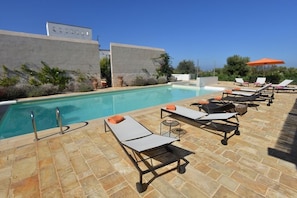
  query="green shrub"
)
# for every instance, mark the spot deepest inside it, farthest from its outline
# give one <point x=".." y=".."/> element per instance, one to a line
<point x="47" y="75"/>
<point x="6" y="82"/>
<point x="33" y="81"/>
<point x="273" y="78"/>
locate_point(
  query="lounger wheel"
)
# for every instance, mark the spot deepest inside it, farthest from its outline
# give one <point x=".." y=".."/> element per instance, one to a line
<point x="141" y="187"/>
<point x="181" y="169"/>
<point x="224" y="141"/>
<point x="237" y="132"/>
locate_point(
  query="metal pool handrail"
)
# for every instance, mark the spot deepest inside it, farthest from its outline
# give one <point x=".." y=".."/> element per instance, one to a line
<point x="34" y="125"/>
<point x="58" y="119"/>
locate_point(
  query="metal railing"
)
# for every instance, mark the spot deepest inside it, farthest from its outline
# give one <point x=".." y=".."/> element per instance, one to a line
<point x="58" y="120"/>
<point x="34" y="125"/>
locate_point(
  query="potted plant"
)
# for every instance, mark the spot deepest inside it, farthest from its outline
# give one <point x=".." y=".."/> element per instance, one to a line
<point x="120" y="81"/>
<point x="95" y="83"/>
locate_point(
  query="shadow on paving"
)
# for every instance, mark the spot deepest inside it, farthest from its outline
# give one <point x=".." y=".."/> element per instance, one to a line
<point x="286" y="146"/>
<point x="151" y="160"/>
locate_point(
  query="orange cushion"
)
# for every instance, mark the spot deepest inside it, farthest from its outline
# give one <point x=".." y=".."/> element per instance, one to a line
<point x="116" y="119"/>
<point x="218" y="98"/>
<point x="228" y="91"/>
<point x="203" y="102"/>
<point x="171" y="107"/>
<point x="236" y="88"/>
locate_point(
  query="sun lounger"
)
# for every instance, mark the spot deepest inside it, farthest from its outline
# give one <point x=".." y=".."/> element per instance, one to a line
<point x="284" y="83"/>
<point x="261" y="81"/>
<point x="240" y="81"/>
<point x="259" y="90"/>
<point x="137" y="141"/>
<point x="202" y="117"/>
<point x="283" y="86"/>
<point x="248" y="94"/>
<point x="209" y="106"/>
<point x="286" y="89"/>
<point x="213" y="105"/>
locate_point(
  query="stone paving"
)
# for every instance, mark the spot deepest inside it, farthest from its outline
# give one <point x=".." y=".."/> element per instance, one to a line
<point x="86" y="161"/>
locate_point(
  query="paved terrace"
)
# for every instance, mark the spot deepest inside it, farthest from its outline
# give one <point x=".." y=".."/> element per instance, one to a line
<point x="87" y="162"/>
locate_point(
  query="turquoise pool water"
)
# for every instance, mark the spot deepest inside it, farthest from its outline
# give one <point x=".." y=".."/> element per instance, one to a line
<point x="75" y="109"/>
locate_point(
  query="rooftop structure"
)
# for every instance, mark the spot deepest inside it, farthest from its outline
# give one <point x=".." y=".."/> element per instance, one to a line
<point x="68" y="31"/>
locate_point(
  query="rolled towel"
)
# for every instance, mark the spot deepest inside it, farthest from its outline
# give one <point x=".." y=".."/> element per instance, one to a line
<point x="171" y="107"/>
<point x="116" y="119"/>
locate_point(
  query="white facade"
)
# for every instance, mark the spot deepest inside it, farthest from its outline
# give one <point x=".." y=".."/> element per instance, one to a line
<point x="68" y="31"/>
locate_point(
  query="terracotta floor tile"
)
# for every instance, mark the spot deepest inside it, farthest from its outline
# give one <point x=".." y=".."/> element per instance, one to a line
<point x="111" y="180"/>
<point x="91" y="186"/>
<point x="101" y="167"/>
<point x="225" y="192"/>
<point x="48" y="177"/>
<point x="52" y="191"/>
<point x="28" y="187"/>
<point x="249" y="183"/>
<point x="24" y="168"/>
<point x="4" y="187"/>
<point x="288" y="180"/>
<point x="68" y="182"/>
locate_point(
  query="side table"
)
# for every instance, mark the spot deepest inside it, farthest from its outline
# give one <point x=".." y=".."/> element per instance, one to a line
<point x="170" y="124"/>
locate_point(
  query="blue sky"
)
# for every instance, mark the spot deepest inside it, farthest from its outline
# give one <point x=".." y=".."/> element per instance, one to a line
<point x="204" y="31"/>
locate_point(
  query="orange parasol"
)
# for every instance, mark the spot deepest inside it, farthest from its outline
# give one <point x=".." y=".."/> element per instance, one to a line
<point x="265" y="61"/>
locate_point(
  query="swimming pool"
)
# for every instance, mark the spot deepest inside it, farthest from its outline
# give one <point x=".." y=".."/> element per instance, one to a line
<point x="75" y="109"/>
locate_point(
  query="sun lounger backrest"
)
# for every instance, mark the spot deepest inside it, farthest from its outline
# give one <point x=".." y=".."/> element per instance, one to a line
<point x="264" y="87"/>
<point x="239" y="80"/>
<point x="128" y="129"/>
<point x="261" y="80"/>
<point x="285" y="83"/>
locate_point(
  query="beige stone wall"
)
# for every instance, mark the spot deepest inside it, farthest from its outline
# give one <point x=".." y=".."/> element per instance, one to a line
<point x="131" y="61"/>
<point x="17" y="49"/>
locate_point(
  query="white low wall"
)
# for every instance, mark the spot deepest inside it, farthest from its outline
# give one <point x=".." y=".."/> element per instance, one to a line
<point x="183" y="77"/>
<point x="204" y="81"/>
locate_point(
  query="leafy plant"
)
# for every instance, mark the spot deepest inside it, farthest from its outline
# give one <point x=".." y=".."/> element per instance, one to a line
<point x="105" y="70"/>
<point x="7" y="80"/>
<point x="186" y="67"/>
<point x="47" y="75"/>
<point x="165" y="68"/>
<point x="236" y="66"/>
